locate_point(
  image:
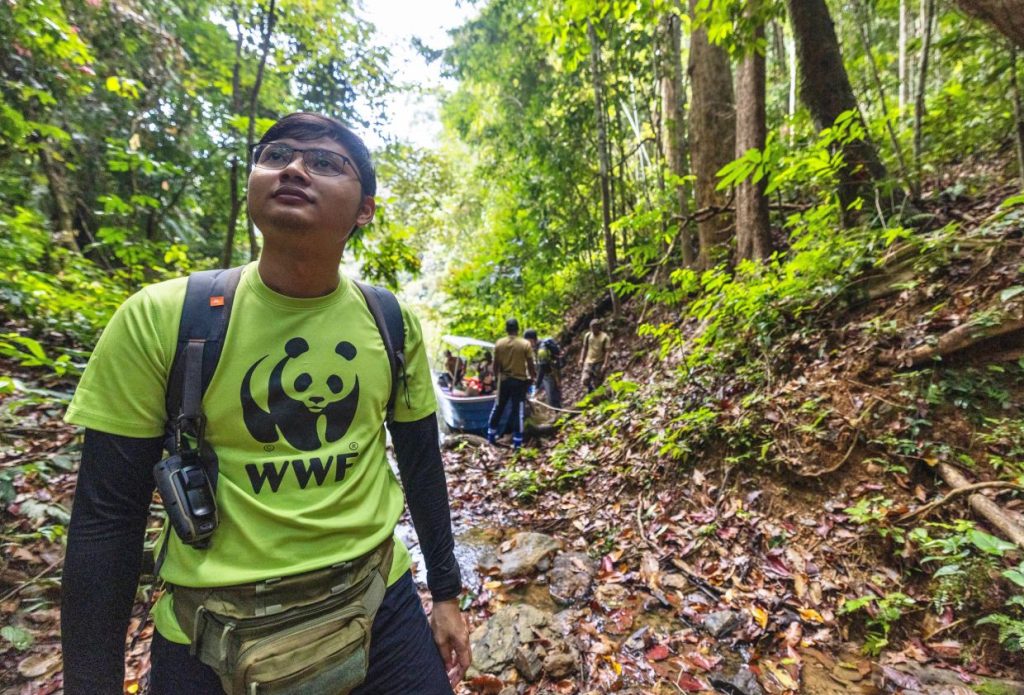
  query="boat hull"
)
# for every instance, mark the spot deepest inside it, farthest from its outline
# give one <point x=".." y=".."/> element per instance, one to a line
<point x="466" y="413"/>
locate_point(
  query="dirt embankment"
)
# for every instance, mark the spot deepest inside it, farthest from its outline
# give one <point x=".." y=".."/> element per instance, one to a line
<point x="811" y="503"/>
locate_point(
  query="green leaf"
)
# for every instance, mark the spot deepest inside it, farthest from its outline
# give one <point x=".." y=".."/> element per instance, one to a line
<point x="1010" y="292"/>
<point x="947" y="570"/>
<point x="1013" y="200"/>
<point x="988" y="543"/>
<point x="1015" y="576"/>
<point x="113" y="84"/>
<point x="856" y="604"/>
<point x="19" y="637"/>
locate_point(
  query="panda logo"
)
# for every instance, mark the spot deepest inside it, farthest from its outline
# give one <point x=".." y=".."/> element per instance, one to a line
<point x="309" y="405"/>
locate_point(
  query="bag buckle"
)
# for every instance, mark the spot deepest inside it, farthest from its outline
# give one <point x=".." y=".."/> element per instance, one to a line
<point x="185" y="424"/>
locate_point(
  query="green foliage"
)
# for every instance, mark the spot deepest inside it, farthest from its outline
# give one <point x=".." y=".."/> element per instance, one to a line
<point x="29" y="353"/>
<point x="119" y="143"/>
<point x="883" y="612"/>
<point x="1010" y="623"/>
<point x="743" y="314"/>
<point x="964" y="560"/>
<point x="521" y="481"/>
<point x="1011" y="630"/>
<point x="19" y="638"/>
<point x="1003" y="438"/>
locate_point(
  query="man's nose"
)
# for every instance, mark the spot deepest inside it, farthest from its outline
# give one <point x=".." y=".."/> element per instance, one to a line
<point x="296" y="167"/>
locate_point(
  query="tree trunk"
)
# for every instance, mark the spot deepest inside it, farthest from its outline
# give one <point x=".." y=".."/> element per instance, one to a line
<point x="865" y="37"/>
<point x="927" y="13"/>
<point x="673" y="133"/>
<point x="791" y="49"/>
<point x="713" y="137"/>
<point x="825" y="88"/>
<point x="902" y="64"/>
<point x="753" y="235"/>
<point x="1018" y="113"/>
<point x="254" y="99"/>
<point x="1006" y="15"/>
<point x="236" y="105"/>
<point x="63" y="233"/>
<point x="602" y="148"/>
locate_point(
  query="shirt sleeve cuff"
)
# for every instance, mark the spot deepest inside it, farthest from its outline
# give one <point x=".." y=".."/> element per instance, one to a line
<point x="445" y="582"/>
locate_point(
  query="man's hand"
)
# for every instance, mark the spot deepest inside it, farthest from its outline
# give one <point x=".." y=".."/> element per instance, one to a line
<point x="451" y="634"/>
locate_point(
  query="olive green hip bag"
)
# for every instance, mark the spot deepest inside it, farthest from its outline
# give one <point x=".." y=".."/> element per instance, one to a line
<point x="307" y="634"/>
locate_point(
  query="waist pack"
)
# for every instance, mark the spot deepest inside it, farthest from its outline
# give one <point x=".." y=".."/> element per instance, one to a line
<point x="308" y="634"/>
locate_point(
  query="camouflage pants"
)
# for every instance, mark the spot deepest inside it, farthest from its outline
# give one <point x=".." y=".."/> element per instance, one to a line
<point x="592" y="376"/>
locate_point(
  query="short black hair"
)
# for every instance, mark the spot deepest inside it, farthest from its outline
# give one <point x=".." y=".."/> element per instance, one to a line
<point x="530" y="334"/>
<point x="511" y="326"/>
<point x="302" y="125"/>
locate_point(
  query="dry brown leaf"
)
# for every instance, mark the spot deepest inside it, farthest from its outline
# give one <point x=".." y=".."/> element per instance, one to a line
<point x="38" y="665"/>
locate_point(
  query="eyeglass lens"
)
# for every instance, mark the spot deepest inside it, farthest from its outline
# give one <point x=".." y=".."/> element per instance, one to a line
<point x="319" y="162"/>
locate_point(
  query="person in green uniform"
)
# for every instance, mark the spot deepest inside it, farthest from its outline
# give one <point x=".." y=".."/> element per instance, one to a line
<point x="549" y="377"/>
<point x="514" y="365"/>
<point x="296" y="417"/>
<point x="594" y="356"/>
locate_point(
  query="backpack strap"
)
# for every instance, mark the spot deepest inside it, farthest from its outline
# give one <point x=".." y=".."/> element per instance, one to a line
<point x="387" y="314"/>
<point x="209" y="295"/>
<point x="204" y="323"/>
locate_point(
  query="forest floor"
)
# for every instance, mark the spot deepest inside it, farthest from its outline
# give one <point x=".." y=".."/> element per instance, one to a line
<point x="799" y="574"/>
<point x="652" y="574"/>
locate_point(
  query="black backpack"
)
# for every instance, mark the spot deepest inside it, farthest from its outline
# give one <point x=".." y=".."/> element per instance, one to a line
<point x="204" y="323"/>
<point x="557" y="358"/>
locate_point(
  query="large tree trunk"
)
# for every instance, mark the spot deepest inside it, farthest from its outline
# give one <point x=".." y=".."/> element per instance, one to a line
<point x="713" y="137"/>
<point x="673" y="134"/>
<point x="605" y="168"/>
<point x="1006" y="15"/>
<point x="825" y="88"/>
<point x="753" y="238"/>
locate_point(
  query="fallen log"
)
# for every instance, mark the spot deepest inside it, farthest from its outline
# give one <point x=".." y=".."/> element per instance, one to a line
<point x="984" y="507"/>
<point x="960" y="338"/>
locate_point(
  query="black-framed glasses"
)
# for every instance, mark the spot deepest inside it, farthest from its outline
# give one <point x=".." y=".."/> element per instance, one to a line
<point x="276" y="155"/>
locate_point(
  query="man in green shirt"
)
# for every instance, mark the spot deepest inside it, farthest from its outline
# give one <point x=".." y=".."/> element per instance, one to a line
<point x="594" y="356"/>
<point x="295" y="415"/>
<point x="513" y="363"/>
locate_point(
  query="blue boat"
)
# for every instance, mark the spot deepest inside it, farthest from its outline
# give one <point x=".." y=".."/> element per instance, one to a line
<point x="460" y="412"/>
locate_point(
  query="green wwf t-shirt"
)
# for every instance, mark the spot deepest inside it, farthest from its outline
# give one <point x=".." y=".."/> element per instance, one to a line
<point x="295" y="412"/>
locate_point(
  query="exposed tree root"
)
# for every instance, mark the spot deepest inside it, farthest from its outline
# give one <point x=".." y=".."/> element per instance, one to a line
<point x="956" y="494"/>
<point x="983" y="506"/>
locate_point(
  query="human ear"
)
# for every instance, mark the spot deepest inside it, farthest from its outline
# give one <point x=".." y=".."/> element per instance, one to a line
<point x="367" y="208"/>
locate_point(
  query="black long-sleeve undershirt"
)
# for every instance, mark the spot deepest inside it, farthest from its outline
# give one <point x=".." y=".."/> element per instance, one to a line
<point x="108" y="523"/>
<point x="103" y="558"/>
<point x="422" y="472"/>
